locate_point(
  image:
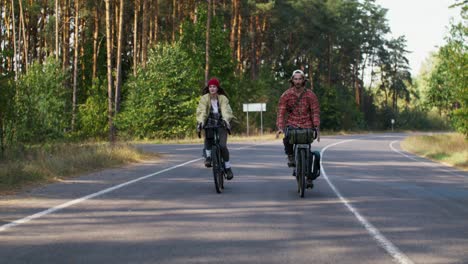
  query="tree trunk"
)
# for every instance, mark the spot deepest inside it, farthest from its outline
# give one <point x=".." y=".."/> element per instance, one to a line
<point x="135" y="37"/>
<point x="15" y="62"/>
<point x="232" y="38"/>
<point x="156" y="23"/>
<point x="144" y="34"/>
<point x="57" y="19"/>
<point x="174" y="23"/>
<point x="65" y="38"/>
<point x="25" y="40"/>
<point x="239" y="39"/>
<point x="253" y="58"/>
<point x="83" y="38"/>
<point x="95" y="40"/>
<point x="207" y="45"/>
<point x="357" y="90"/>
<point x="42" y="40"/>
<point x="75" y="61"/>
<point x="118" y="76"/>
<point x="110" y="111"/>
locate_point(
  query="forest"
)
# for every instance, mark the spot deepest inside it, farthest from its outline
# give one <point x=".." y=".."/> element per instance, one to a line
<point x="73" y="70"/>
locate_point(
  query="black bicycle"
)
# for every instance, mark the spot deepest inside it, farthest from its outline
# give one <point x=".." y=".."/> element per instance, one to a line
<point x="219" y="169"/>
<point x="307" y="163"/>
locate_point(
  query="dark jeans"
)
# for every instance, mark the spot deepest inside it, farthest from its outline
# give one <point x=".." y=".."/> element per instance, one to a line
<point x="209" y="140"/>
<point x="288" y="148"/>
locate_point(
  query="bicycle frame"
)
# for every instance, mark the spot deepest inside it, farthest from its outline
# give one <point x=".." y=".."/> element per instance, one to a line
<point x="219" y="170"/>
<point x="302" y="158"/>
<point x="304" y="163"/>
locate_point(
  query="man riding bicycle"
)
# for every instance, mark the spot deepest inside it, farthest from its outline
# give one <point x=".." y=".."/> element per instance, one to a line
<point x="302" y="108"/>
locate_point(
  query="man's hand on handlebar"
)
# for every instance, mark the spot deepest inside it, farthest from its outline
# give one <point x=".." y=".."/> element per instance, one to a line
<point x="317" y="133"/>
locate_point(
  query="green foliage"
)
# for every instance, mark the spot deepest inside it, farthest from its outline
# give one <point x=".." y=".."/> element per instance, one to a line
<point x="41" y="109"/>
<point x="193" y="42"/>
<point x="419" y="119"/>
<point x="7" y="94"/>
<point x="330" y="116"/>
<point x="265" y="89"/>
<point x="448" y="80"/>
<point x="93" y="113"/>
<point x="161" y="100"/>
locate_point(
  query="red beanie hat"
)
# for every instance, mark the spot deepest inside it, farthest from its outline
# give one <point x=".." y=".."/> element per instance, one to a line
<point x="213" y="81"/>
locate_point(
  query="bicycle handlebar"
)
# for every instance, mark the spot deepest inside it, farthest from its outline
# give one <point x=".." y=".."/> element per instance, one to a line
<point x="224" y="124"/>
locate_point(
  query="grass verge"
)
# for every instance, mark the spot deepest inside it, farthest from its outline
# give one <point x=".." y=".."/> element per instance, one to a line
<point x="46" y="163"/>
<point x="451" y="148"/>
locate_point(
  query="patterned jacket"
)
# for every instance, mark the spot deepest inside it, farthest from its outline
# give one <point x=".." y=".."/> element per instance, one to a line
<point x="306" y="114"/>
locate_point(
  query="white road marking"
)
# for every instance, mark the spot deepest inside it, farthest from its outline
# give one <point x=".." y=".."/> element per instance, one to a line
<point x="391" y="249"/>
<point x="82" y="199"/>
<point x="423" y="162"/>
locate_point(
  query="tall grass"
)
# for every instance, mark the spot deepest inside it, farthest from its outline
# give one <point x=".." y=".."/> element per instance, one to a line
<point x="35" y="164"/>
<point x="448" y="148"/>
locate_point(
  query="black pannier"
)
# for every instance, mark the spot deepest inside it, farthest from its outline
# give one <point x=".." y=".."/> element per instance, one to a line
<point x="300" y="135"/>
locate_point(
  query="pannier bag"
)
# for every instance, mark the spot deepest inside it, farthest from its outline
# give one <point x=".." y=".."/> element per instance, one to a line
<point x="315" y="171"/>
<point x="300" y="135"/>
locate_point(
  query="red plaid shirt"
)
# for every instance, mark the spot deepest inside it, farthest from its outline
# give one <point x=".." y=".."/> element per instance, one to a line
<point x="306" y="114"/>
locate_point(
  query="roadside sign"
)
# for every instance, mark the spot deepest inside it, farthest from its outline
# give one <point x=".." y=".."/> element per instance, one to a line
<point x="256" y="107"/>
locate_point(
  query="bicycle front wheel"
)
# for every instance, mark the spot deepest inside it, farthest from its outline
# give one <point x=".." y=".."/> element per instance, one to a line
<point x="217" y="174"/>
<point x="301" y="172"/>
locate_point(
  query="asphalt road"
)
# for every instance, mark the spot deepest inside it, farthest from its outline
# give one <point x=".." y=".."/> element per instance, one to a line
<point x="373" y="203"/>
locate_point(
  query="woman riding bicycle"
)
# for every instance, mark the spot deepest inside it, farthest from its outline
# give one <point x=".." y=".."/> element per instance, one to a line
<point x="302" y="108"/>
<point x="213" y="112"/>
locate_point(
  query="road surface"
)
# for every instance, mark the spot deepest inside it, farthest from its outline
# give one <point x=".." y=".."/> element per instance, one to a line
<point x="373" y="203"/>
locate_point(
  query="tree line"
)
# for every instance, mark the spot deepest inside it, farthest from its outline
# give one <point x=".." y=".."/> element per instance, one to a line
<point x="74" y="69"/>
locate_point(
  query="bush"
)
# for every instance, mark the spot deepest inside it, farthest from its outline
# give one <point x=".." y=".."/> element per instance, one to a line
<point x="93" y="113"/>
<point x="41" y="109"/>
<point x="162" y="98"/>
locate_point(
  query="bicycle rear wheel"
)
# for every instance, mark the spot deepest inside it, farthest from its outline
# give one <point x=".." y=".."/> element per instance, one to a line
<point x="217" y="170"/>
<point x="301" y="173"/>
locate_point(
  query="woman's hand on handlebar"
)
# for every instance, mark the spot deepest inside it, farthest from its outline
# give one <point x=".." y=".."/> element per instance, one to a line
<point x="280" y="131"/>
<point x="199" y="128"/>
<point x="227" y="126"/>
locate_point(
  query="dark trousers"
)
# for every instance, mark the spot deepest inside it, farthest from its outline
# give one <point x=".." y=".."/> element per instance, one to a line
<point x="288" y="148"/>
<point x="209" y="140"/>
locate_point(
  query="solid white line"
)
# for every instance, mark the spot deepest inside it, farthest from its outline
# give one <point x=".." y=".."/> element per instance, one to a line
<point x="82" y="199"/>
<point x="423" y="162"/>
<point x="391" y="249"/>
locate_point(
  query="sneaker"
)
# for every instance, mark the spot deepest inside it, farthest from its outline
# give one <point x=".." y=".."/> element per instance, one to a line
<point x="291" y="161"/>
<point x="208" y="162"/>
<point x="229" y="174"/>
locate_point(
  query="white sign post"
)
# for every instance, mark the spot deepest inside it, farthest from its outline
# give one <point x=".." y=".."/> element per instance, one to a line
<point x="393" y="122"/>
<point x="257" y="107"/>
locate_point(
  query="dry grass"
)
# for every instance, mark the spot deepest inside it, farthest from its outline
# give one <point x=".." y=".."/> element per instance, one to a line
<point x="40" y="164"/>
<point x="449" y="148"/>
